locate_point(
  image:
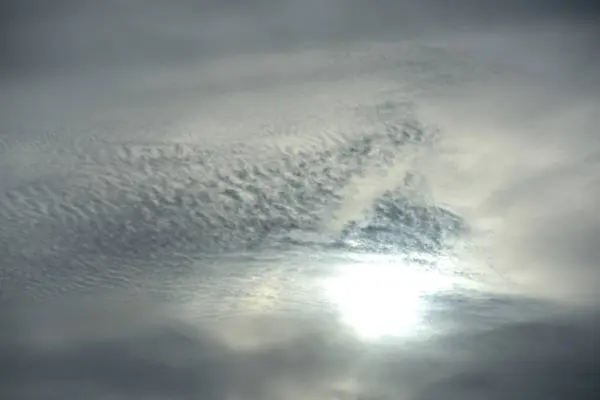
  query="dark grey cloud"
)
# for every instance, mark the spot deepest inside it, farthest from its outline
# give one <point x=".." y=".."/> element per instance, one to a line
<point x="149" y="352"/>
<point x="146" y="350"/>
<point x="536" y="360"/>
<point x="91" y="34"/>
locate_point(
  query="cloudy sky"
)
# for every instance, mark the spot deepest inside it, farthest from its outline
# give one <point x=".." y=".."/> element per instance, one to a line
<point x="299" y="199"/>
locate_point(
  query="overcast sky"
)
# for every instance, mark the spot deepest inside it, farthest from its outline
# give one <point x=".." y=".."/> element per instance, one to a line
<point x="144" y="144"/>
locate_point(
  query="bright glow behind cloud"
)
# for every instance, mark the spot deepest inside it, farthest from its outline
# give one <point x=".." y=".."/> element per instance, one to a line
<point x="385" y="298"/>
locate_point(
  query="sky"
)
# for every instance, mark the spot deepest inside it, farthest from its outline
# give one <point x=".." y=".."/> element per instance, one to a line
<point x="195" y="199"/>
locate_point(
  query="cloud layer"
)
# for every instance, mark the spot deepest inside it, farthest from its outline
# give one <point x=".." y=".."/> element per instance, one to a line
<point x="175" y="180"/>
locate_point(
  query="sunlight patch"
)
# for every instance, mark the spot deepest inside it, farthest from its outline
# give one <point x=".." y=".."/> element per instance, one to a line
<point x="384" y="298"/>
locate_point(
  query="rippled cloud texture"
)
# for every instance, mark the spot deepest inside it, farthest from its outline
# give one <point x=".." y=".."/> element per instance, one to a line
<point x="162" y="164"/>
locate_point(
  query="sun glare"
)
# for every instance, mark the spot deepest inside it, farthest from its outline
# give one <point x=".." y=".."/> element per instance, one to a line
<point x="386" y="298"/>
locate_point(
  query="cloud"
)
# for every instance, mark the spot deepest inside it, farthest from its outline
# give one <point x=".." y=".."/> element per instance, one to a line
<point x="535" y="360"/>
<point x="519" y="158"/>
<point x="116" y="347"/>
<point x="136" y="136"/>
<point x="69" y="36"/>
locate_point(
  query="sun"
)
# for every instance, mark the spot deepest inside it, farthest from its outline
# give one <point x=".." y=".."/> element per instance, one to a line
<point x="383" y="298"/>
